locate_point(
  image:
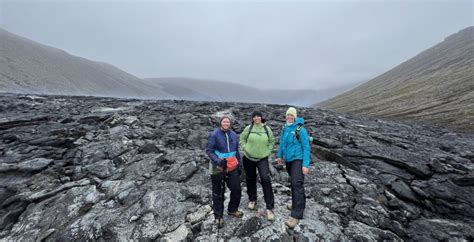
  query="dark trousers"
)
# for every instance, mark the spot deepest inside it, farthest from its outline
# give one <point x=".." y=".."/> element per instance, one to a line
<point x="232" y="180"/>
<point x="251" y="178"/>
<point x="298" y="198"/>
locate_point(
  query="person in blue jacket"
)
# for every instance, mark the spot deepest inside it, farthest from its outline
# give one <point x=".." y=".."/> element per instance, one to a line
<point x="294" y="150"/>
<point x="225" y="166"/>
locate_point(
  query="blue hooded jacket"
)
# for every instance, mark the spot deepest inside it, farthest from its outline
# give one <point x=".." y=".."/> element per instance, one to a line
<point x="222" y="144"/>
<point x="291" y="148"/>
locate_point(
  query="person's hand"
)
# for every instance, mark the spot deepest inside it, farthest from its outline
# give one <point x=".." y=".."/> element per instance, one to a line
<point x="221" y="164"/>
<point x="305" y="170"/>
<point x="279" y="161"/>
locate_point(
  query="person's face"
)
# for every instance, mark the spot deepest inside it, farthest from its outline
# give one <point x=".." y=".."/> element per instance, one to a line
<point x="225" y="124"/>
<point x="290" y="118"/>
<point x="257" y="119"/>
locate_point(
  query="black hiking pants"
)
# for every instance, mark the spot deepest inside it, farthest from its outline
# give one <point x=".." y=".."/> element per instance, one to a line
<point x="250" y="168"/>
<point x="219" y="181"/>
<point x="298" y="198"/>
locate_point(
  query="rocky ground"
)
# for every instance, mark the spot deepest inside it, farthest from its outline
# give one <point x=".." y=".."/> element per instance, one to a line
<point x="74" y="168"/>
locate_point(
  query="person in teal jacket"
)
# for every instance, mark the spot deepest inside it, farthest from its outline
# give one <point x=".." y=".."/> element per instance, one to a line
<point x="257" y="142"/>
<point x="294" y="150"/>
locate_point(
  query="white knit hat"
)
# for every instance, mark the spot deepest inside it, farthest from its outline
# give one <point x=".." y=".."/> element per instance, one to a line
<point x="292" y="111"/>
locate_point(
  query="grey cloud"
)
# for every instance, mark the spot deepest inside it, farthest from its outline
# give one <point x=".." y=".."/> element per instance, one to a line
<point x="311" y="45"/>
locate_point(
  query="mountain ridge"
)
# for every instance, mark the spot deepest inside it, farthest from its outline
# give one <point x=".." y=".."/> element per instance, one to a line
<point x="435" y="87"/>
<point x="27" y="66"/>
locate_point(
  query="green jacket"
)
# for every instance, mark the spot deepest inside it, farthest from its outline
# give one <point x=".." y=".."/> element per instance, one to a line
<point x="257" y="145"/>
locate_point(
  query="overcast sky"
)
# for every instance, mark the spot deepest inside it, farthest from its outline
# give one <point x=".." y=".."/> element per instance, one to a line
<point x="285" y="44"/>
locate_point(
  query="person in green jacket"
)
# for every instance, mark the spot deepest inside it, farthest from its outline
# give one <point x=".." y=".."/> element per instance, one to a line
<point x="257" y="142"/>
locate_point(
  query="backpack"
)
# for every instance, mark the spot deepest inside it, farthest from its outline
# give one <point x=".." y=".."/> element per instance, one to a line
<point x="297" y="133"/>
<point x="266" y="131"/>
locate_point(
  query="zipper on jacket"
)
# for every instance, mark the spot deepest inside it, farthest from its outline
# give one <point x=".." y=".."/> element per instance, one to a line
<point x="227" y="139"/>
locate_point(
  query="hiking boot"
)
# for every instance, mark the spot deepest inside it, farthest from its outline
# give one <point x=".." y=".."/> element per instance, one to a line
<point x="219" y="222"/>
<point x="270" y="215"/>
<point x="292" y="222"/>
<point x="289" y="206"/>
<point x="237" y="214"/>
<point x="252" y="205"/>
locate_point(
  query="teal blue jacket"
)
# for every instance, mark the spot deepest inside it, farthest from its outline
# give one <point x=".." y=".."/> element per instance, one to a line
<point x="291" y="148"/>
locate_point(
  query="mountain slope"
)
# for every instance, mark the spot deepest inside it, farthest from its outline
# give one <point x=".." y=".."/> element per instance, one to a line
<point x="29" y="67"/>
<point x="435" y="87"/>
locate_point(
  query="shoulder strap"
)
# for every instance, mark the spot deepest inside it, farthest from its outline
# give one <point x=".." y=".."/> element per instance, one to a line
<point x="298" y="130"/>
<point x="266" y="131"/>
<point x="250" y="131"/>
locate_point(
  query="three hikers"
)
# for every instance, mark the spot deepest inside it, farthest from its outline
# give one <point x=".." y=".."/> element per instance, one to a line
<point x="257" y="142"/>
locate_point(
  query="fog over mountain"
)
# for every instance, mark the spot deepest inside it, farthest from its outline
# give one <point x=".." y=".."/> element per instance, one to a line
<point x="211" y="90"/>
<point x="270" y="44"/>
<point x="31" y="67"/>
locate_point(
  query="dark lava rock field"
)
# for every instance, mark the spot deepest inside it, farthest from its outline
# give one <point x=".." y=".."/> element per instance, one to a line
<point x="77" y="168"/>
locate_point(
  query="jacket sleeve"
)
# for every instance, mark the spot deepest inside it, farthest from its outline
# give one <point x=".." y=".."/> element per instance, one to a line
<point x="280" y="149"/>
<point x="271" y="143"/>
<point x="211" y="147"/>
<point x="243" y="137"/>
<point x="304" y="137"/>
<point x="237" y="153"/>
<point x="239" y="158"/>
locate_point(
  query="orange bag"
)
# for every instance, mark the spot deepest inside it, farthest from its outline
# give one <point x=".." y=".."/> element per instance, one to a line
<point x="232" y="163"/>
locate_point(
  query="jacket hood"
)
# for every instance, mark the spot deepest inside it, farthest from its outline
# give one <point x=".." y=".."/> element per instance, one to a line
<point x="299" y="121"/>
